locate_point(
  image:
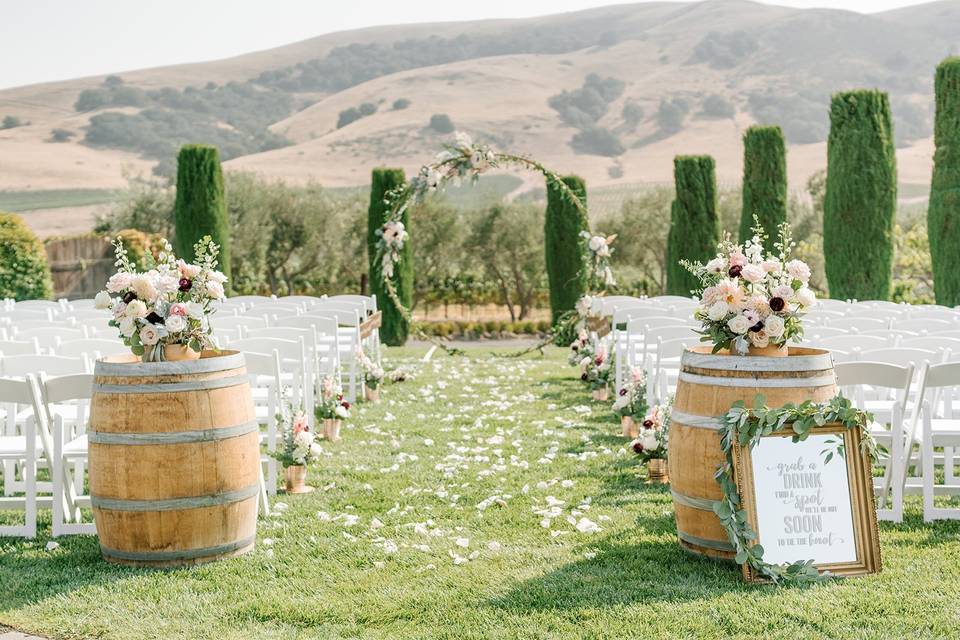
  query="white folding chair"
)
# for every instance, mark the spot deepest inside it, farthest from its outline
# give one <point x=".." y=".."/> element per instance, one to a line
<point x="294" y="366"/>
<point x="883" y="389"/>
<point x="19" y="449"/>
<point x="265" y="378"/>
<point x="813" y="334"/>
<point x="91" y="348"/>
<point x="19" y="347"/>
<point x="348" y="321"/>
<point x="930" y="343"/>
<point x="940" y="418"/>
<point x="926" y="324"/>
<point x="903" y="356"/>
<point x="67" y="400"/>
<point x="851" y="342"/>
<point x="326" y="330"/>
<point x="667" y="369"/>
<point x="21" y="366"/>
<point x="50" y="338"/>
<point x="860" y="323"/>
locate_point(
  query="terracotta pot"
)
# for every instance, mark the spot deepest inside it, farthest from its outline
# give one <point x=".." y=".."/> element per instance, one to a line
<point x="296" y="479"/>
<point x="331" y="430"/>
<point x="630" y="427"/>
<point x="174" y="353"/>
<point x="657" y="471"/>
<point x="371" y="395"/>
<point x="602" y="394"/>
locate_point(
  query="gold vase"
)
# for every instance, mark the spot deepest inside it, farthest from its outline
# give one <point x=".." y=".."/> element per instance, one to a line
<point x="771" y="351"/>
<point x="171" y="353"/>
<point x="371" y="395"/>
<point x="296" y="479"/>
<point x="331" y="429"/>
<point x="602" y="394"/>
<point x="629" y="426"/>
<point x="657" y="471"/>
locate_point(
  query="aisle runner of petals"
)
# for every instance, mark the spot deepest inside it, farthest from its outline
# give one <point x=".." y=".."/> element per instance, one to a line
<point x="469" y="442"/>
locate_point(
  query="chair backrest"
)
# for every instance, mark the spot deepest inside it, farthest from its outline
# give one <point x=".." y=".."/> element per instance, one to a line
<point x="369" y="302"/>
<point x="50" y="336"/>
<point x="251" y="300"/>
<point x="853" y="341"/>
<point x="866" y="380"/>
<point x="263" y="364"/>
<point x="19" y="347"/>
<point x="623" y="314"/>
<point x="897" y="335"/>
<point x="338" y="305"/>
<point x="308" y="335"/>
<point x="604" y="306"/>
<point x="815" y="333"/>
<point x="860" y="323"/>
<point x="322" y="325"/>
<point x="81" y="303"/>
<point x="234" y="322"/>
<point x="926" y="324"/>
<point x="901" y="356"/>
<point x="345" y="317"/>
<point x="21" y="366"/>
<point x="288" y="350"/>
<point x="669" y="332"/>
<point x="939" y="384"/>
<point x="23" y="391"/>
<point x="933" y="343"/>
<point x="91" y="347"/>
<point x="639" y="325"/>
<point x="953" y="333"/>
<point x="934" y="312"/>
<point x="73" y="390"/>
<point x="673" y="348"/>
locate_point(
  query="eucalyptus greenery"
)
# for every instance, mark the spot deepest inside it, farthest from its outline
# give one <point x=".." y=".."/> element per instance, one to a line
<point x="745" y="426"/>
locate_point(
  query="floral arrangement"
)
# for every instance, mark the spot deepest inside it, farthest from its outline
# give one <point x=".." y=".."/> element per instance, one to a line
<point x="373" y="374"/>
<point x="331" y="405"/>
<point x="598" y="251"/>
<point x="750" y="298"/>
<point x="580" y="348"/>
<point x="298" y="446"/>
<point x="651" y="444"/>
<point x="746" y="426"/>
<point x="168" y="304"/>
<point x="631" y="399"/>
<point x="595" y="367"/>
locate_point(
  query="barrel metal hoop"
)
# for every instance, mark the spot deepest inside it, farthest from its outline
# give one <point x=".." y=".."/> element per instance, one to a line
<point x="176" y="504"/>
<point x="174" y="437"/>
<point x="703" y="504"/>
<point x="819" y="381"/>
<point x="173" y="387"/>
<point x="697" y="422"/>
<point x="814" y="362"/>
<point x="182" y="367"/>
<point x="173" y="556"/>
<point x="716" y="545"/>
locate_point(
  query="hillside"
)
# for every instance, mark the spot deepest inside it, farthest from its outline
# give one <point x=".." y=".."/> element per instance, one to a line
<point x="611" y="93"/>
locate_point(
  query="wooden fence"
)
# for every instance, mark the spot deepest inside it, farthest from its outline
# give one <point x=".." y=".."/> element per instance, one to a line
<point x="80" y="265"/>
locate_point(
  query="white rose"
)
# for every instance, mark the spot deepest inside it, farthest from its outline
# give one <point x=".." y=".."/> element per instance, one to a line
<point x="144" y="286"/>
<point x="341" y="411"/>
<point x="102" y="301"/>
<point x="799" y="270"/>
<point x="774" y="326"/>
<point x="216" y="276"/>
<point x="175" y="324"/>
<point x="127" y="327"/>
<point x="119" y="281"/>
<point x="753" y="274"/>
<point x="195" y="310"/>
<point x="149" y="335"/>
<point x="136" y="309"/>
<point x="215" y="290"/>
<point x="771" y="266"/>
<point x="784" y="291"/>
<point x="806" y="297"/>
<point x="717" y="265"/>
<point x="649" y="441"/>
<point x="597" y="243"/>
<point x="738" y="324"/>
<point x="760" y="338"/>
<point x="718" y="310"/>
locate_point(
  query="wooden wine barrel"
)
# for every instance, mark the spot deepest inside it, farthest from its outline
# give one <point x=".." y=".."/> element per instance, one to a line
<point x="708" y="386"/>
<point x="174" y="460"/>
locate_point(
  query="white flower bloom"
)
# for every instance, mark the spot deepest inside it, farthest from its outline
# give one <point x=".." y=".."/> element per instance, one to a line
<point x="806" y="297"/>
<point x="144" y="285"/>
<point x="195" y="310"/>
<point x="102" y="301"/>
<point x="175" y="324"/>
<point x="738" y="324"/>
<point x="718" y="310"/>
<point x="136" y="309"/>
<point x="774" y="326"/>
<point x="760" y="338"/>
<point x="717" y="265"/>
<point x="215" y="290"/>
<point x="799" y="270"/>
<point x="149" y="335"/>
<point x="127" y="327"/>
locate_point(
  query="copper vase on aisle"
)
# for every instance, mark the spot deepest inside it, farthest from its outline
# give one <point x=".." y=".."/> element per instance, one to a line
<point x="602" y="394"/>
<point x="629" y="426"/>
<point x="657" y="471"/>
<point x="331" y="430"/>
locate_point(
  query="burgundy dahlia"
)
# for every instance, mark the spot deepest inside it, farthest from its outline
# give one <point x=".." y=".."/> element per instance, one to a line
<point x="757" y="327"/>
<point x="637" y="447"/>
<point x="623" y="391"/>
<point x="154" y="318"/>
<point x="185" y="284"/>
<point x="345" y="405"/>
<point x="583" y="377"/>
<point x="648" y="423"/>
<point x="129" y="297"/>
<point x="777" y="303"/>
<point x="735" y="271"/>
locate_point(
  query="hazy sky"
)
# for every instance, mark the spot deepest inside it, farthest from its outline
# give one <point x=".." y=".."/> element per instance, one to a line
<point x="42" y="40"/>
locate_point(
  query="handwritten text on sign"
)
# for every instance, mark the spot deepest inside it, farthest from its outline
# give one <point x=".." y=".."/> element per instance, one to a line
<point x="803" y="504"/>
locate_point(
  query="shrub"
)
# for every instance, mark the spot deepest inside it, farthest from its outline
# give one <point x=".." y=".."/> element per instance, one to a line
<point x="348" y="116"/>
<point x="694" y="224"/>
<point x="367" y="109"/>
<point x="441" y="123"/>
<point x="583" y="107"/>
<point x="61" y="135"/>
<point x="716" y="106"/>
<point x="10" y="122"/>
<point x="563" y="247"/>
<point x="861" y="197"/>
<point x="400" y="104"/>
<point x="632" y="113"/>
<point x="597" y="141"/>
<point x="200" y="205"/>
<point x="943" y="214"/>
<point x="670" y="115"/>
<point x="764" y="182"/>
<point x="24" y="274"/>
<point x="394" y="328"/>
<point x="91" y="100"/>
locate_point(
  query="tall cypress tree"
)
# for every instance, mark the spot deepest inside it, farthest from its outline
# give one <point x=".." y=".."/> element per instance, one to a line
<point x="694" y="223"/>
<point x="563" y="246"/>
<point x="394" y="329"/>
<point x="764" y="182"/>
<point x="943" y="214"/>
<point x="200" y="208"/>
<point x="861" y="196"/>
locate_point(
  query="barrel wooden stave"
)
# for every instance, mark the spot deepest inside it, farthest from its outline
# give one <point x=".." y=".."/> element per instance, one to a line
<point x="707" y="388"/>
<point x="174" y="474"/>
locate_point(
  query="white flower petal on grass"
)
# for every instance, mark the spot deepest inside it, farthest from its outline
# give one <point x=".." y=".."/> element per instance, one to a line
<point x="389" y="417"/>
<point x="324" y="516"/>
<point x="52" y="546"/>
<point x="268" y="542"/>
<point x="585" y="525"/>
<point x="582" y="409"/>
<point x="463" y="542"/>
<point x="379" y="564"/>
<point x="590" y="555"/>
<point x="376" y="524"/>
<point x="566" y="484"/>
<point x="473" y="555"/>
<point x="494" y="546"/>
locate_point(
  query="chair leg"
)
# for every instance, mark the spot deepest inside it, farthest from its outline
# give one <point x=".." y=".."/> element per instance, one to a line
<point x="927" y="465"/>
<point x="263" y="499"/>
<point x="58" y="513"/>
<point x="30" y="480"/>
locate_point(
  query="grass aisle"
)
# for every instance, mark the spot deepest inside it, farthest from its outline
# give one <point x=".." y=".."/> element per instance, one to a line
<point x="484" y="498"/>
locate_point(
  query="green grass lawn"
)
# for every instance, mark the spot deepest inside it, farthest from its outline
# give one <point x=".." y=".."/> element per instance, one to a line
<point x="31" y="200"/>
<point x="425" y="524"/>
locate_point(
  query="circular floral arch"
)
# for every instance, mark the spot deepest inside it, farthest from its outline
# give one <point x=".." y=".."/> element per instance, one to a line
<point x="466" y="159"/>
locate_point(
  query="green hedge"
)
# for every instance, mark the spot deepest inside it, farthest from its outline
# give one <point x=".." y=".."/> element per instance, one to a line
<point x="694" y="224"/>
<point x="861" y="197"/>
<point x="943" y="215"/>
<point x="394" y="329"/>
<point x="764" y="182"/>
<point x="563" y="246"/>
<point x="24" y="274"/>
<point x="200" y="208"/>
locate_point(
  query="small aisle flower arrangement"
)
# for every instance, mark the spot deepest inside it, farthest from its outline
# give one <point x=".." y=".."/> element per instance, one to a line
<point x="631" y="403"/>
<point x="595" y="370"/>
<point x="298" y="448"/>
<point x="650" y="445"/>
<point x="752" y="302"/>
<point x="373" y="375"/>
<point x="331" y="408"/>
<point x="164" y="312"/>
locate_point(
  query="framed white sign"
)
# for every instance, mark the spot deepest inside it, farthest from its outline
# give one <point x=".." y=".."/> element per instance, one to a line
<point x="808" y="501"/>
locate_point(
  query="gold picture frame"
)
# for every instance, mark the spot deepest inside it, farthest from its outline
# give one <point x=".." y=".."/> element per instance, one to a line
<point x="863" y="511"/>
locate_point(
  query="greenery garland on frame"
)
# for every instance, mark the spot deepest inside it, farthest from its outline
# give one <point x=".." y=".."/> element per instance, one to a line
<point x="745" y="427"/>
<point x="468" y="159"/>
